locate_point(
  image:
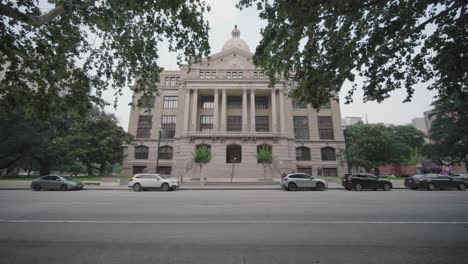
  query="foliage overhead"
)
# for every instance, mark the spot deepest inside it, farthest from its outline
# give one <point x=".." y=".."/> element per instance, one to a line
<point x="75" y="47"/>
<point x="449" y="131"/>
<point x="389" y="44"/>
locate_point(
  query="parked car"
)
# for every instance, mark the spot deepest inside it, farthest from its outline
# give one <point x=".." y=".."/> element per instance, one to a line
<point x="145" y="181"/>
<point x="294" y="181"/>
<point x="462" y="176"/>
<point x="54" y="182"/>
<point x="435" y="181"/>
<point x="361" y="181"/>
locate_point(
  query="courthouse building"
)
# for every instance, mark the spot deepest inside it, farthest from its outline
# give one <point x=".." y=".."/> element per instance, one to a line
<point x="225" y="104"/>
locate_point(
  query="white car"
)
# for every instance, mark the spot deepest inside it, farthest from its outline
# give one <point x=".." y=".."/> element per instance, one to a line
<point x="141" y="182"/>
<point x="293" y="181"/>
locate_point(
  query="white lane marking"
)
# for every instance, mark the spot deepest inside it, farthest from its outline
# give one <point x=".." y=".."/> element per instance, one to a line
<point x="235" y="222"/>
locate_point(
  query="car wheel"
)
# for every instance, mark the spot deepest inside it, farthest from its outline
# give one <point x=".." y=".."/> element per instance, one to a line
<point x="36" y="187"/>
<point x="165" y="187"/>
<point x="461" y="187"/>
<point x="320" y="186"/>
<point x="63" y="187"/>
<point x="136" y="187"/>
<point x="414" y="188"/>
<point x="348" y="188"/>
<point x="431" y="187"/>
<point x="387" y="187"/>
<point x="358" y="187"/>
<point x="292" y="187"/>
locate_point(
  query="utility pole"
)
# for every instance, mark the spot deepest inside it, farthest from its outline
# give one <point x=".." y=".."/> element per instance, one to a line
<point x="157" y="157"/>
<point x="346" y="150"/>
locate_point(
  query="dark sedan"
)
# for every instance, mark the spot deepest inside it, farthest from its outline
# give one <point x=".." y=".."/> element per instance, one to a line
<point x="434" y="181"/>
<point x="53" y="182"/>
<point x="361" y="181"/>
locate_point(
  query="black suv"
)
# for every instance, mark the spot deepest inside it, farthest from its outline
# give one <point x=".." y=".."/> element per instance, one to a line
<point x="361" y="181"/>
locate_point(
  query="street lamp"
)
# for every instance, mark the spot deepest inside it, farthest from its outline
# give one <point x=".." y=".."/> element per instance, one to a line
<point x="346" y="150"/>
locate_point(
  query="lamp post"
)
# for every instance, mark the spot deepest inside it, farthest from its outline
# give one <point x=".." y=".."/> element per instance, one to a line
<point x="157" y="157"/>
<point x="346" y="150"/>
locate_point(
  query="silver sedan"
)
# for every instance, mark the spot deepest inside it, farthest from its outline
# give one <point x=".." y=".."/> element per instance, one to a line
<point x="53" y="182"/>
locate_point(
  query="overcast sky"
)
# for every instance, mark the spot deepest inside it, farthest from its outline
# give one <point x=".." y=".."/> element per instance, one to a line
<point x="224" y="16"/>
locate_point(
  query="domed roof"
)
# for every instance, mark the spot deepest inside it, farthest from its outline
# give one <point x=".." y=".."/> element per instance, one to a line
<point x="236" y="41"/>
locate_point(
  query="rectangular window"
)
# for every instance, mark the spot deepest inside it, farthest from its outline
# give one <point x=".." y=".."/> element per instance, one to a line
<point x="202" y="75"/>
<point x="144" y="126"/>
<point x="234" y="75"/>
<point x="167" y="81"/>
<point x="168" y="125"/>
<point x="299" y="105"/>
<point x="172" y="81"/>
<point x="164" y="170"/>
<point x="234" y="123"/>
<point x="255" y="75"/>
<point x="330" y="172"/>
<point x="228" y="75"/>
<point x="325" y="127"/>
<point x="138" y="169"/>
<point x="261" y="102"/>
<point x="305" y="170"/>
<point x="241" y="75"/>
<point x="234" y="102"/>
<point x="207" y="102"/>
<point x="262" y="124"/>
<point x="170" y="102"/>
<point x="213" y="75"/>
<point x="206" y="123"/>
<point x="261" y="75"/>
<point x="301" y="127"/>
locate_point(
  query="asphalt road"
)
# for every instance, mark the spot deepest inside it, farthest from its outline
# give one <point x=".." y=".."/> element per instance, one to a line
<point x="400" y="226"/>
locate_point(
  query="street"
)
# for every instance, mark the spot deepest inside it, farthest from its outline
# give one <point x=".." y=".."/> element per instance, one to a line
<point x="334" y="226"/>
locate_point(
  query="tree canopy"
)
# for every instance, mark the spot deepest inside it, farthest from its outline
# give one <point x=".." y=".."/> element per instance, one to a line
<point x="389" y="44"/>
<point x="372" y="145"/>
<point x="449" y="131"/>
<point x="57" y="49"/>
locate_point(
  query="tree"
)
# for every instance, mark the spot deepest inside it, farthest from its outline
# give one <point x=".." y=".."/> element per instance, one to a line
<point x="389" y="44"/>
<point x="264" y="156"/>
<point x="201" y="156"/>
<point x="448" y="131"/>
<point x="372" y="145"/>
<point x="98" y="140"/>
<point x="79" y="46"/>
<point x="63" y="142"/>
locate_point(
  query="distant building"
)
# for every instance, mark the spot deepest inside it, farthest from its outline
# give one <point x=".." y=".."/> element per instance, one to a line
<point x="350" y="120"/>
<point x="428" y="118"/>
<point x="224" y="103"/>
<point x="420" y="124"/>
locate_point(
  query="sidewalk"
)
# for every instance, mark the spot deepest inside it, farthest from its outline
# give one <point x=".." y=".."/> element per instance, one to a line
<point x="192" y="185"/>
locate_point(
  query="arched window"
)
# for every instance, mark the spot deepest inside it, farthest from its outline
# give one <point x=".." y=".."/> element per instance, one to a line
<point x="141" y="152"/>
<point x="165" y="152"/>
<point x="264" y="156"/>
<point x="302" y="153"/>
<point x="233" y="154"/>
<point x="328" y="154"/>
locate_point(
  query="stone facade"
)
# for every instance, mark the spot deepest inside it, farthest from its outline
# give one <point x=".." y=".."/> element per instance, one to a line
<point x="221" y="102"/>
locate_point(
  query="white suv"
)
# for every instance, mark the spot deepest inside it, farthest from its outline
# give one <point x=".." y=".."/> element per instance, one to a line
<point x="141" y="182"/>
<point x="293" y="181"/>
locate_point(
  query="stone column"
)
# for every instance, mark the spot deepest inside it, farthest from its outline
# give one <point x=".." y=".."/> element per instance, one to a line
<point x="186" y="110"/>
<point x="244" y="111"/>
<point x="252" y="110"/>
<point x="194" y="110"/>
<point x="281" y="109"/>
<point x="223" y="110"/>
<point x="215" y="110"/>
<point x="274" y="124"/>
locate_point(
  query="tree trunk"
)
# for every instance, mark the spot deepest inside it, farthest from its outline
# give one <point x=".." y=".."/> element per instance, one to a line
<point x="103" y="169"/>
<point x="44" y="167"/>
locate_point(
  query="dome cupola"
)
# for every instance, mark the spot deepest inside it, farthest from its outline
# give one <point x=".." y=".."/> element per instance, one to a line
<point x="235" y="41"/>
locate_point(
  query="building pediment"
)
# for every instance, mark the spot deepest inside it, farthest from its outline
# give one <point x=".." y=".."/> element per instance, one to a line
<point x="234" y="58"/>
